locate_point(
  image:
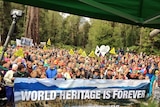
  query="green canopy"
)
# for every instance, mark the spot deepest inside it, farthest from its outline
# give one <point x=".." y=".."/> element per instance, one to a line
<point x="136" y="12"/>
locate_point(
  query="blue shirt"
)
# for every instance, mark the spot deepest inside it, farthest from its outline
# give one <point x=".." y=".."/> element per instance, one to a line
<point x="149" y="75"/>
<point x="51" y="73"/>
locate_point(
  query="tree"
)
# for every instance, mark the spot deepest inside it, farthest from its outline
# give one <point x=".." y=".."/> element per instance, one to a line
<point x="32" y="24"/>
<point x="71" y="29"/>
<point x="83" y="34"/>
<point x="5" y="19"/>
<point x="100" y="33"/>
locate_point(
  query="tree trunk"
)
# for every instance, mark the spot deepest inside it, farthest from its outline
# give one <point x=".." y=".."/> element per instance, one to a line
<point x="32" y="24"/>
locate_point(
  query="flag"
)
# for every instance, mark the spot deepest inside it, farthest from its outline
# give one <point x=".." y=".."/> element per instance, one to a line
<point x="1" y="48"/>
<point x="49" y="42"/>
<point x="71" y="52"/>
<point x="5" y="54"/>
<point x="84" y="54"/>
<point x="19" y="52"/>
<point x="44" y="47"/>
<point x="112" y="51"/>
<point x="91" y="54"/>
<point x="80" y="51"/>
<point x="97" y="51"/>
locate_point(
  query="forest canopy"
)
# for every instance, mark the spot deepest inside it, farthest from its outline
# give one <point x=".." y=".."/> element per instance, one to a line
<point x="41" y="24"/>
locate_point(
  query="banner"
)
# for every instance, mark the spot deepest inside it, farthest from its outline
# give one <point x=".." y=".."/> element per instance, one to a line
<point x="26" y="41"/>
<point x="33" y="90"/>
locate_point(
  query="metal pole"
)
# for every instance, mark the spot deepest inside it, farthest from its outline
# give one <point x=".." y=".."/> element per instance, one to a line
<point x="11" y="30"/>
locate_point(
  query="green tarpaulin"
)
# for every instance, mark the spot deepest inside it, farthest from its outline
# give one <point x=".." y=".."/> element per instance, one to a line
<point x="136" y="12"/>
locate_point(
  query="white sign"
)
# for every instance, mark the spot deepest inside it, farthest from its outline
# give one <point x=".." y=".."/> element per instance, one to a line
<point x="97" y="51"/>
<point x="103" y="50"/>
<point x="26" y="41"/>
<point x="18" y="42"/>
<point x="43" y="43"/>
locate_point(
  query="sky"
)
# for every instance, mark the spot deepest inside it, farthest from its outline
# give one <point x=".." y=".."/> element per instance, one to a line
<point x="65" y="15"/>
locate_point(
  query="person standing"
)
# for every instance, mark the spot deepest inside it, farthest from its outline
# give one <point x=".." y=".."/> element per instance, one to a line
<point x="9" y="81"/>
<point x="51" y="72"/>
<point x="21" y="71"/>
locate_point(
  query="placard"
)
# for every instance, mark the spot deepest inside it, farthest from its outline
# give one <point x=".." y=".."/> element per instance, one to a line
<point x="26" y="41"/>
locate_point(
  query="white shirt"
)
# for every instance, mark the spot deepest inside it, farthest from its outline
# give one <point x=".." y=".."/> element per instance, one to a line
<point x="8" y="78"/>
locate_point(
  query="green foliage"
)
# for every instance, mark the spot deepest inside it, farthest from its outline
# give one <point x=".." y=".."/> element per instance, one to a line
<point x="149" y="103"/>
<point x="50" y="26"/>
<point x="77" y="33"/>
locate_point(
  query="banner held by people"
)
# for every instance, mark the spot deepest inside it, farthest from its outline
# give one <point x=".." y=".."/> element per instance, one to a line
<point x="50" y="89"/>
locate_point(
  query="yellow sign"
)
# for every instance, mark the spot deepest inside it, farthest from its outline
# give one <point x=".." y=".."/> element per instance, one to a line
<point x="80" y="51"/>
<point x="112" y="51"/>
<point x="49" y="42"/>
<point x="1" y="48"/>
<point x="44" y="47"/>
<point x="19" y="52"/>
<point x="71" y="52"/>
<point x="84" y="54"/>
<point x="91" y="54"/>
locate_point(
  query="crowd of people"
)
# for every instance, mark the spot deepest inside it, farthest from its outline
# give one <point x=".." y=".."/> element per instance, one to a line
<point x="58" y="63"/>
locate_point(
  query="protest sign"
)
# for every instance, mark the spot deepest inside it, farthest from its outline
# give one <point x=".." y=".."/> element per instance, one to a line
<point x="26" y="41"/>
<point x="104" y="50"/>
<point x="97" y="51"/>
<point x="49" y="42"/>
<point x="43" y="43"/>
<point x="32" y="89"/>
<point x="112" y="51"/>
<point x="18" y="42"/>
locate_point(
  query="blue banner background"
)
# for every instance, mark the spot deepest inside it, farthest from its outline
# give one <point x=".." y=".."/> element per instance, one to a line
<point x="31" y="84"/>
